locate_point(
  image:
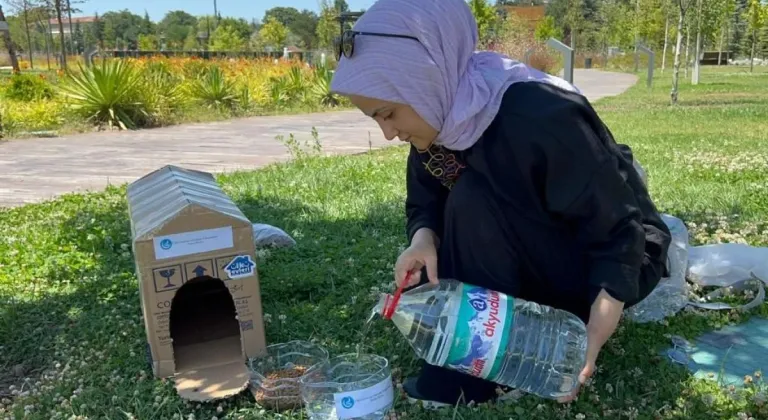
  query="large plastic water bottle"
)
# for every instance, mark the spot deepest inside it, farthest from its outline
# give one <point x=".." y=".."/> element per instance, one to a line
<point x="533" y="348"/>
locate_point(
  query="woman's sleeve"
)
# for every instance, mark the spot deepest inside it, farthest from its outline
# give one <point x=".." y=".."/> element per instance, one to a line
<point x="584" y="185"/>
<point x="425" y="198"/>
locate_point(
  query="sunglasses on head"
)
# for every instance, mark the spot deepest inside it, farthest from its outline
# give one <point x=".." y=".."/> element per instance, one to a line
<point x="346" y="45"/>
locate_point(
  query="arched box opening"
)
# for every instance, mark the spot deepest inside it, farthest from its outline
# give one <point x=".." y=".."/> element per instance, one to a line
<point x="207" y="346"/>
<point x="200" y="296"/>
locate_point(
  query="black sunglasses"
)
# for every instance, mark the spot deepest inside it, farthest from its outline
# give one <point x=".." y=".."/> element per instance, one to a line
<point x="346" y="45"/>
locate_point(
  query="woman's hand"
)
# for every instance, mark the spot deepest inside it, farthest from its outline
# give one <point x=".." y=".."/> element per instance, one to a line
<point x="603" y="320"/>
<point x="421" y="253"/>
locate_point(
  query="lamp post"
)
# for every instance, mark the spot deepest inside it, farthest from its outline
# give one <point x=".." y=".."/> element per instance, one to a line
<point x="162" y="43"/>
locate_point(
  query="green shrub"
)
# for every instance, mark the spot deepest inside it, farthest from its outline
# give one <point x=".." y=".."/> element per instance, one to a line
<point x="213" y="90"/>
<point x="159" y="92"/>
<point x="321" y="88"/>
<point x="17" y="117"/>
<point x="105" y="93"/>
<point x="28" y="87"/>
<point x="290" y="89"/>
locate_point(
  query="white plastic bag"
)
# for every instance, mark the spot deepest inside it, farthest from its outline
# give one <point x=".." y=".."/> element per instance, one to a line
<point x="723" y="265"/>
<point x="671" y="294"/>
<point x="731" y="267"/>
<point x="266" y="235"/>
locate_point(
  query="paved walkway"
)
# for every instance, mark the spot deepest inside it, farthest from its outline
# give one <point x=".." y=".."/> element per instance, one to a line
<point x="33" y="170"/>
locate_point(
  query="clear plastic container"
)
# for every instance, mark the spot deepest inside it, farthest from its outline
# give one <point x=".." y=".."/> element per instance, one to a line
<point x="275" y="376"/>
<point x="349" y="386"/>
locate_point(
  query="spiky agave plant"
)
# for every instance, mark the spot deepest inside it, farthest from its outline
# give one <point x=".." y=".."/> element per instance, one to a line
<point x="321" y="88"/>
<point x="214" y="90"/>
<point x="104" y="93"/>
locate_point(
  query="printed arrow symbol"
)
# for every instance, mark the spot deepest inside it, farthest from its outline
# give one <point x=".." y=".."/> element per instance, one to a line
<point x="199" y="271"/>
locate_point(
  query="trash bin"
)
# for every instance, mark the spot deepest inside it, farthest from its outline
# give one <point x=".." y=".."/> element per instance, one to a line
<point x="588" y="63"/>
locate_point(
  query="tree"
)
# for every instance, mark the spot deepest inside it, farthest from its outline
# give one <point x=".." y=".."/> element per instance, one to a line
<point x="58" y="7"/>
<point x="9" y="44"/>
<point x="124" y="26"/>
<point x="763" y="47"/>
<point x="615" y="24"/>
<point x="327" y="26"/>
<point x="273" y="33"/>
<point x="148" y="27"/>
<point x="240" y="26"/>
<point x="22" y="9"/>
<point x="682" y="6"/>
<point x="485" y="16"/>
<point x="148" y="42"/>
<point x="177" y="25"/>
<point x="340" y="6"/>
<point x="89" y="40"/>
<point x="574" y="19"/>
<point x="546" y="29"/>
<point x="723" y="22"/>
<point x="756" y="16"/>
<point x="78" y="39"/>
<point x="285" y="15"/>
<point x="206" y="24"/>
<point x="231" y="35"/>
<point x="97" y="30"/>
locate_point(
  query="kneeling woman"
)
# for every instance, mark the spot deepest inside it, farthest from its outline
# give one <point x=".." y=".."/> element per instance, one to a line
<point x="513" y="181"/>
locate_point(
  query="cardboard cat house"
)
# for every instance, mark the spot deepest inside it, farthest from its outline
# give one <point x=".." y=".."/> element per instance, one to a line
<point x="196" y="265"/>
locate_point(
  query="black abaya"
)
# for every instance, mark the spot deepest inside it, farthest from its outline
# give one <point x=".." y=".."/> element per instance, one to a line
<point x="545" y="207"/>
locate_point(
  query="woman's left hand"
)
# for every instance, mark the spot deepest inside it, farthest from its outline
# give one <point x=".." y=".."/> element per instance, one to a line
<point x="603" y="320"/>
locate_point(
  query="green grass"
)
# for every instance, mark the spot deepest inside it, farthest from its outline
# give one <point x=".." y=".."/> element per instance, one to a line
<point x="69" y="303"/>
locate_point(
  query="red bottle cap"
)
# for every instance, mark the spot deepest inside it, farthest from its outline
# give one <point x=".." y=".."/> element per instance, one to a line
<point x="391" y="301"/>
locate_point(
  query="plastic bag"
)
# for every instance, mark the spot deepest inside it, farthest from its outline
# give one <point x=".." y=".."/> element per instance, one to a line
<point x="266" y="235"/>
<point x="671" y="294"/>
<point x="731" y="267"/>
<point x="723" y="265"/>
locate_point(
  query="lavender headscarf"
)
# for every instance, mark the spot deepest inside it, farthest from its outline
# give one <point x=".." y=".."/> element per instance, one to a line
<point x="455" y="89"/>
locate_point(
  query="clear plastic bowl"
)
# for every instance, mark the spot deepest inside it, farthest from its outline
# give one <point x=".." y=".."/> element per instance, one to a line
<point x="348" y="386"/>
<point x="275" y="376"/>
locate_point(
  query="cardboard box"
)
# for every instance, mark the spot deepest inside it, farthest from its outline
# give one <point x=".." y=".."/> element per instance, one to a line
<point x="196" y="264"/>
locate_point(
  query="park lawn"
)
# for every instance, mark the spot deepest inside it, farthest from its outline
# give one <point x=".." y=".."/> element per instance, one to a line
<point x="69" y="302"/>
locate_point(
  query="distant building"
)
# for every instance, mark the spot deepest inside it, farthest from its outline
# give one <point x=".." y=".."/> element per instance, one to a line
<point x="83" y="21"/>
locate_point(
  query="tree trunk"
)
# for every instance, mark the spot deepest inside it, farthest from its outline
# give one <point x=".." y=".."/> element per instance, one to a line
<point x="687" y="50"/>
<point x="57" y="5"/>
<point x="697" y="48"/>
<point x="71" y="31"/>
<point x="637" y="25"/>
<point x="720" y="47"/>
<point x="679" y="45"/>
<point x="752" y="53"/>
<point x="10" y="46"/>
<point x="49" y="35"/>
<point x="47" y="45"/>
<point x="666" y="43"/>
<point x="25" y="6"/>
